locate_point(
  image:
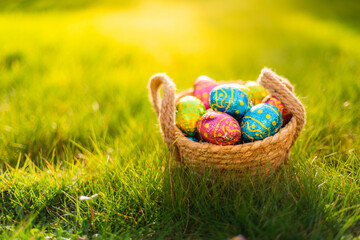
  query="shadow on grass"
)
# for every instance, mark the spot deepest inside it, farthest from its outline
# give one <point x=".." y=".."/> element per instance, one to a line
<point x="288" y="205"/>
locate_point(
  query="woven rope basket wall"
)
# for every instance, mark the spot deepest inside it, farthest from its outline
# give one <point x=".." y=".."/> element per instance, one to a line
<point x="259" y="157"/>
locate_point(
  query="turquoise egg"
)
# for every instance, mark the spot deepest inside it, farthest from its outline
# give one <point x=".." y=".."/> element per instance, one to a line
<point x="194" y="139"/>
<point x="263" y="120"/>
<point x="230" y="99"/>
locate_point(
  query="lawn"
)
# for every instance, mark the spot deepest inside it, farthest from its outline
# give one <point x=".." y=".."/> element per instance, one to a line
<point x="75" y="118"/>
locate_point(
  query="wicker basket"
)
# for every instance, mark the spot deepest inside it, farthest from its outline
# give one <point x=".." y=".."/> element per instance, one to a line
<point x="259" y="157"/>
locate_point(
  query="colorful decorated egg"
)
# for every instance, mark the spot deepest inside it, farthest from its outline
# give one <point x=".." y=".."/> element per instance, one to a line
<point x="263" y="120"/>
<point x="194" y="139"/>
<point x="230" y="99"/>
<point x="202" y="88"/>
<point x="247" y="91"/>
<point x="219" y="128"/>
<point x="258" y="92"/>
<point x="188" y="112"/>
<point x="285" y="113"/>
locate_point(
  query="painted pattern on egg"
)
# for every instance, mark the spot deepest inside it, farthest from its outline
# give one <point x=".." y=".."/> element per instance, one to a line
<point x="230" y="99"/>
<point x="263" y="120"/>
<point x="248" y="92"/>
<point x="188" y="112"/>
<point x="202" y="88"/>
<point x="219" y="128"/>
<point x="285" y="113"/>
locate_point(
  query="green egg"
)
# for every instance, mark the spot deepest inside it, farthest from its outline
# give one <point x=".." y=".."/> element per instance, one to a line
<point x="188" y="112"/>
<point x="258" y="92"/>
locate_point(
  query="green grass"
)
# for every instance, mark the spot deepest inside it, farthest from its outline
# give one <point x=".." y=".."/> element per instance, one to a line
<point x="75" y="119"/>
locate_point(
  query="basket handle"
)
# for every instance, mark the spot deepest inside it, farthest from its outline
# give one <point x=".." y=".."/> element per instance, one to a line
<point x="281" y="88"/>
<point x="165" y="107"/>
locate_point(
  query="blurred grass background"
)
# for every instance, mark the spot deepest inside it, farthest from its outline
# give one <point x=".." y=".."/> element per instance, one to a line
<point x="73" y="77"/>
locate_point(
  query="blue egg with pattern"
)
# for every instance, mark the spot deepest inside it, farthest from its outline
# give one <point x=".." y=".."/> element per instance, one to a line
<point x="194" y="139"/>
<point x="262" y="121"/>
<point x="230" y="99"/>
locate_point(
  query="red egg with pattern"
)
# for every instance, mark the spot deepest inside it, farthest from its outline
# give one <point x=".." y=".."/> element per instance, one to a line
<point x="202" y="88"/>
<point x="219" y="128"/>
<point x="285" y="113"/>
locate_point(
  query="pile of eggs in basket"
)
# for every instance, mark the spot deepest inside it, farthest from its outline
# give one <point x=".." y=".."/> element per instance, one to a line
<point x="227" y="114"/>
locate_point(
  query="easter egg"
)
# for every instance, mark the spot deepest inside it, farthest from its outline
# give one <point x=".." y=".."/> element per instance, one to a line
<point x="230" y="99"/>
<point x="202" y="88"/>
<point x="246" y="90"/>
<point x="263" y="120"/>
<point x="285" y="113"/>
<point x="258" y="92"/>
<point x="188" y="112"/>
<point x="194" y="139"/>
<point x="219" y="128"/>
